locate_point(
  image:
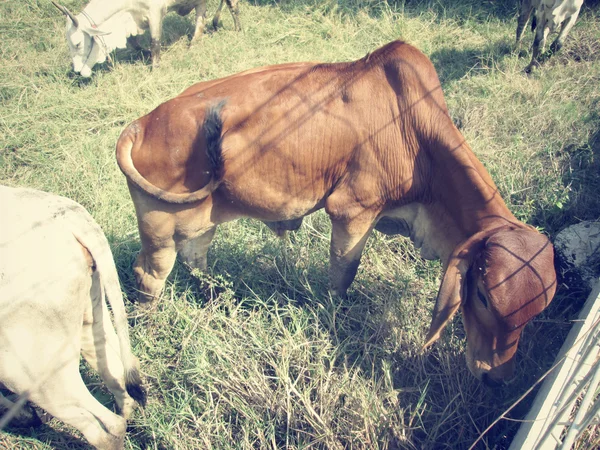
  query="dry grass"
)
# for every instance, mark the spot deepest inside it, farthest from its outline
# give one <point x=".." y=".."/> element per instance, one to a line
<point x="256" y="354"/>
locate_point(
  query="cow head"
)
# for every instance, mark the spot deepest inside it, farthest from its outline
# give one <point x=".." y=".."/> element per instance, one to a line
<point x="85" y="43"/>
<point x="500" y="279"/>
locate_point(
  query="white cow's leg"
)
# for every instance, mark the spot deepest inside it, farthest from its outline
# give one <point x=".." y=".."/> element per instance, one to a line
<point x="235" y="13"/>
<point x="22" y="414"/>
<point x="526" y="8"/>
<point x="155" y="24"/>
<point x="348" y="238"/>
<point x="539" y="44"/>
<point x="564" y="31"/>
<point x="200" y="20"/>
<point x="100" y="348"/>
<point x="65" y="396"/>
<point x="193" y="251"/>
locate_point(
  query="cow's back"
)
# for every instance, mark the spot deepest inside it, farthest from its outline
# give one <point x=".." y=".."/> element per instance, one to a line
<point x="291" y="132"/>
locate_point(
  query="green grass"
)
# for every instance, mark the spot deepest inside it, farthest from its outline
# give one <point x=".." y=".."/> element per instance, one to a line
<point x="256" y="354"/>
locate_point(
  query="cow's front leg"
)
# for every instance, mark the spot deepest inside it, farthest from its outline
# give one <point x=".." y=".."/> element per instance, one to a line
<point x="193" y="251"/>
<point x="564" y="31"/>
<point x="200" y="21"/>
<point x="526" y="8"/>
<point x="348" y="238"/>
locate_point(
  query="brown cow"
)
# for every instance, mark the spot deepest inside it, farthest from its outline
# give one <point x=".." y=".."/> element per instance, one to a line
<point x="370" y="141"/>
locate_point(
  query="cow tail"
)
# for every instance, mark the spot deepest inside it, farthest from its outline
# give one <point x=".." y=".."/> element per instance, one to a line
<point x="97" y="245"/>
<point x="114" y="296"/>
<point x="125" y="161"/>
<point x="213" y="134"/>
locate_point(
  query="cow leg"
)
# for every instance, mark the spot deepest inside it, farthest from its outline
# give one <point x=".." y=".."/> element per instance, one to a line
<point x="524" y="15"/>
<point x="193" y="251"/>
<point x="23" y="415"/>
<point x="155" y="24"/>
<point x="235" y="13"/>
<point x="564" y="31"/>
<point x="65" y="396"/>
<point x="100" y="348"/>
<point x="218" y="15"/>
<point x="348" y="238"/>
<point x="539" y="44"/>
<point x="151" y="269"/>
<point x="200" y="20"/>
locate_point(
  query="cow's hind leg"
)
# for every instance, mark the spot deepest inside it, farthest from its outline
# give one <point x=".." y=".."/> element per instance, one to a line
<point x="348" y="238"/>
<point x="193" y="251"/>
<point x="100" y="348"/>
<point x="155" y="24"/>
<point x="22" y="415"/>
<point x="200" y="20"/>
<point x="152" y="267"/>
<point x="65" y="396"/>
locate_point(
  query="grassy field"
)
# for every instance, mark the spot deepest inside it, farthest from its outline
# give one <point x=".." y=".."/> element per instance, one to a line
<point x="256" y="354"/>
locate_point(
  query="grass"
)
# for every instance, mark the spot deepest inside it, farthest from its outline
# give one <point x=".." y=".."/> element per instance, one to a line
<point x="255" y="354"/>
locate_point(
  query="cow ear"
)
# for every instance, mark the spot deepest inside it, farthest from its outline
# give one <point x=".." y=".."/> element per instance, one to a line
<point x="451" y="293"/>
<point x="449" y="298"/>
<point x="94" y="31"/>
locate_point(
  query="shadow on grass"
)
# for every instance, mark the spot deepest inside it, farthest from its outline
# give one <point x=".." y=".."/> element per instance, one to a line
<point x="581" y="171"/>
<point x="457" y="404"/>
<point x="453" y="64"/>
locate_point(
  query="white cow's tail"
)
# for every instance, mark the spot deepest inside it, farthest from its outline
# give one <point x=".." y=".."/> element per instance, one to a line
<point x="212" y="128"/>
<point x="97" y="245"/>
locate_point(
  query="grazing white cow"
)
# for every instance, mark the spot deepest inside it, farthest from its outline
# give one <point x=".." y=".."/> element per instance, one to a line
<point x="56" y="269"/>
<point x="105" y="25"/>
<point x="548" y="16"/>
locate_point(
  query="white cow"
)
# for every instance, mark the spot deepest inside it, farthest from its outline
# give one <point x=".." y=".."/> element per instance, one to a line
<point x="548" y="16"/>
<point x="105" y="25"/>
<point x="56" y="269"/>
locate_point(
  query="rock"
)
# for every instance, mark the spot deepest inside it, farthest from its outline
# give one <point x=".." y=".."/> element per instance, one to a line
<point x="579" y="248"/>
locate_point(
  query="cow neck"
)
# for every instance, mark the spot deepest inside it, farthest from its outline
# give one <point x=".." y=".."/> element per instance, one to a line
<point x="463" y="182"/>
<point x="99" y="11"/>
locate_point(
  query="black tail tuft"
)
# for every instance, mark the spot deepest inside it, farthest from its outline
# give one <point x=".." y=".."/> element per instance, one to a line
<point x="133" y="385"/>
<point x="213" y="129"/>
<point x="533" y="23"/>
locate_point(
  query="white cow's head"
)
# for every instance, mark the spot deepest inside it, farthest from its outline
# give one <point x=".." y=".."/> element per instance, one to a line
<point x="85" y="41"/>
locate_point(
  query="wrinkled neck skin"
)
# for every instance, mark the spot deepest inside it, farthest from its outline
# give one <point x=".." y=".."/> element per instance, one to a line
<point x="101" y="10"/>
<point x="449" y="212"/>
<point x="429" y="227"/>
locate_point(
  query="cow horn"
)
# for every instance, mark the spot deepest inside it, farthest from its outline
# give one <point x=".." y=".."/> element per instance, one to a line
<point x="68" y="13"/>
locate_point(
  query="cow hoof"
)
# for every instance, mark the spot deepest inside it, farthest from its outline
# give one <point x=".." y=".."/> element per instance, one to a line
<point x="337" y="293"/>
<point x="146" y="302"/>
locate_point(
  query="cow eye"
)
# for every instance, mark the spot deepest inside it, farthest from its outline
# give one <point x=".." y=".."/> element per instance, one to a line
<point x="482" y="298"/>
